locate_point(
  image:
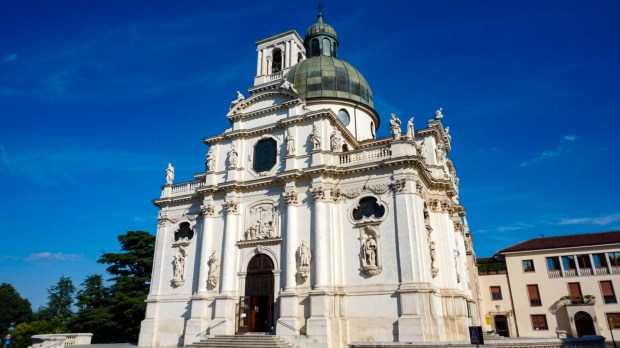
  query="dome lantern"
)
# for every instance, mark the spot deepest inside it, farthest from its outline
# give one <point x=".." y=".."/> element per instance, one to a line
<point x="321" y="38"/>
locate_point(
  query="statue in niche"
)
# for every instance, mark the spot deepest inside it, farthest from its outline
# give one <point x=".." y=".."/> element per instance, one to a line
<point x="214" y="269"/>
<point x="395" y="126"/>
<point x="169" y="174"/>
<point x="305" y="256"/>
<point x="210" y="162"/>
<point x="178" y="267"/>
<point x="370" y="251"/>
<point x="336" y="140"/>
<point x="423" y="151"/>
<point x="438" y="114"/>
<point x="290" y="143"/>
<point x="316" y="138"/>
<point x="233" y="156"/>
<point x="240" y="97"/>
<point x="410" y="133"/>
<point x="264" y="219"/>
<point x="431" y="248"/>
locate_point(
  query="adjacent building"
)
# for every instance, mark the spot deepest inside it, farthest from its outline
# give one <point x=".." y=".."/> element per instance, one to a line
<point x="553" y="286"/>
<point x="306" y="225"/>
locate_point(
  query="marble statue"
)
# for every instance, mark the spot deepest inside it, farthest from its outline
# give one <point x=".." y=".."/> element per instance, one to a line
<point x="336" y="140"/>
<point x="410" y="133"/>
<point x="287" y="85"/>
<point x="169" y="174"/>
<point x="395" y="126"/>
<point x="240" y="97"/>
<point x="214" y="269"/>
<point x="370" y="251"/>
<point x="290" y="143"/>
<point x="233" y="156"/>
<point x="305" y="255"/>
<point x="316" y="138"/>
<point x="438" y="114"/>
<point x="210" y="160"/>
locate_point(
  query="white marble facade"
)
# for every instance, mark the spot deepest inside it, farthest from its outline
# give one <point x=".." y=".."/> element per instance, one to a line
<point x="363" y="238"/>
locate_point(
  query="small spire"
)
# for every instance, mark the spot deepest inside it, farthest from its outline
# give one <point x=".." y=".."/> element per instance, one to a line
<point x="320" y="15"/>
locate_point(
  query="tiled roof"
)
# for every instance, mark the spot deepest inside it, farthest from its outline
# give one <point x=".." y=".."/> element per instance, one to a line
<point x="575" y="240"/>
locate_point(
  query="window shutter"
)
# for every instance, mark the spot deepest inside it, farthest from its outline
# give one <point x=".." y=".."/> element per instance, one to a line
<point x="606" y="288"/>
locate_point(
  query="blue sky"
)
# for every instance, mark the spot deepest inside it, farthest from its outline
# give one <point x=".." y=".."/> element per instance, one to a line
<point x="96" y="97"/>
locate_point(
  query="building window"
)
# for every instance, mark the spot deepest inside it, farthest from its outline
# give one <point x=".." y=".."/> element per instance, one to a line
<point x="343" y="115"/>
<point x="528" y="265"/>
<point x="539" y="322"/>
<point x="607" y="290"/>
<point x="574" y="290"/>
<point x="368" y="208"/>
<point x="276" y="65"/>
<point x="614" y="258"/>
<point x="613" y="319"/>
<point x="496" y="293"/>
<point x="265" y="155"/>
<point x="314" y="48"/>
<point x="184" y="233"/>
<point x="553" y="265"/>
<point x="584" y="261"/>
<point x="569" y="262"/>
<point x="327" y="47"/>
<point x="534" y="295"/>
<point x="599" y="260"/>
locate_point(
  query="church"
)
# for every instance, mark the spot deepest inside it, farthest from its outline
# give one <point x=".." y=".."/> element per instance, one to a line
<point x="307" y="226"/>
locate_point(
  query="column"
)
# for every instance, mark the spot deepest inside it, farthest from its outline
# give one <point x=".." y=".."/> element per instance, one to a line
<point x="228" y="255"/>
<point x="200" y="318"/>
<point x="291" y="240"/>
<point x="287" y="48"/>
<point x="259" y="62"/>
<point x="320" y="240"/>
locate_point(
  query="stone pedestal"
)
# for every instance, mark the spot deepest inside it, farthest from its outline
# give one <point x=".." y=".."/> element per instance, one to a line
<point x="200" y="320"/>
<point x="319" y="326"/>
<point x="288" y="324"/>
<point x="223" y="322"/>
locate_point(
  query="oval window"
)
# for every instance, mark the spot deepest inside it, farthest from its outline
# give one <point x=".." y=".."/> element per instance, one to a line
<point x="343" y="115"/>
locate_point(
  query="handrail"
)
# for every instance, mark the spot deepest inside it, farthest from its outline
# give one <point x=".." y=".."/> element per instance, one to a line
<point x="292" y="328"/>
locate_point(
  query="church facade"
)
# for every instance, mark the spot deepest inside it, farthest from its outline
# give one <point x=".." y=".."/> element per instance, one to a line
<point x="306" y="225"/>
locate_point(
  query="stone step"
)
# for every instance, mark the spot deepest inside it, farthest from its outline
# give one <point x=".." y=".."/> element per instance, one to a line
<point x="243" y="341"/>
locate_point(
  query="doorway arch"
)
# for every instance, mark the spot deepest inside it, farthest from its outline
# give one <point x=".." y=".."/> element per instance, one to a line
<point x="584" y="324"/>
<point x="501" y="325"/>
<point x="258" y="296"/>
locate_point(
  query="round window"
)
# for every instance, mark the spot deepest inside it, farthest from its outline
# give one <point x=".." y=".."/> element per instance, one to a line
<point x="343" y="115"/>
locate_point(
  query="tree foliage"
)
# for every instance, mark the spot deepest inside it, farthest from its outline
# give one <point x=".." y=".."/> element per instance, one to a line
<point x="13" y="308"/>
<point x="59" y="300"/>
<point x="131" y="277"/>
<point x="22" y="335"/>
<point x="93" y="315"/>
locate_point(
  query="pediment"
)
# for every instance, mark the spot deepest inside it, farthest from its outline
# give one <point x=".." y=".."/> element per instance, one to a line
<point x="262" y="101"/>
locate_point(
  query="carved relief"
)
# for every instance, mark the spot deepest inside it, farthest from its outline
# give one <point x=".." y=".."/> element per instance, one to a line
<point x="178" y="268"/>
<point x="291" y="197"/>
<point x="399" y="185"/>
<point x="370" y="252"/>
<point x="214" y="270"/>
<point x="207" y="210"/>
<point x="262" y="221"/>
<point x="318" y="194"/>
<point x="231" y="206"/>
<point x="379" y="188"/>
<point x="351" y="192"/>
<point x="336" y="195"/>
<point x="304" y="255"/>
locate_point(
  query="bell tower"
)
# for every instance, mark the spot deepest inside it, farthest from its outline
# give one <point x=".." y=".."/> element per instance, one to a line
<point x="276" y="55"/>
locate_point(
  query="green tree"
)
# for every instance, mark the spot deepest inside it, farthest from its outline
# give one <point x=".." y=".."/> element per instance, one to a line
<point x="131" y="277"/>
<point x="22" y="335"/>
<point x="59" y="300"/>
<point x="13" y="308"/>
<point x="93" y="315"/>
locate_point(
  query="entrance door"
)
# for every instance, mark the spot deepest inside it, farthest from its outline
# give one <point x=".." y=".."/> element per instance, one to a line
<point x="584" y="324"/>
<point x="501" y="325"/>
<point x="259" y="294"/>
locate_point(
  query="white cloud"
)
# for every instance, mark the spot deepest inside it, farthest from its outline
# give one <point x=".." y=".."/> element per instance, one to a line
<point x="569" y="138"/>
<point x="46" y="255"/>
<point x="601" y="220"/>
<point x="10" y="57"/>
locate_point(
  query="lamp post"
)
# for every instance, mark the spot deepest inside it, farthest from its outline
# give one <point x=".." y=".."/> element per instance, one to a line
<point x="610" y="322"/>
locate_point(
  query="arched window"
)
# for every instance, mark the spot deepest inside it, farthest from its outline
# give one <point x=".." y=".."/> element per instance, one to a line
<point x="276" y="65"/>
<point x="345" y="148"/>
<point x="265" y="153"/>
<point x="299" y="57"/>
<point x="184" y="233"/>
<point x="314" y="47"/>
<point x="368" y="207"/>
<point x="372" y="128"/>
<point x="327" y="47"/>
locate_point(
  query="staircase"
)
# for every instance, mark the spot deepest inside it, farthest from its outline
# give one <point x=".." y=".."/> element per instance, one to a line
<point x="243" y="341"/>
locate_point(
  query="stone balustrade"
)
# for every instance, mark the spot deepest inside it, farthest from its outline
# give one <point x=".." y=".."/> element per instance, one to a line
<point x="365" y="155"/>
<point x="61" y="340"/>
<point x="581" y="342"/>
